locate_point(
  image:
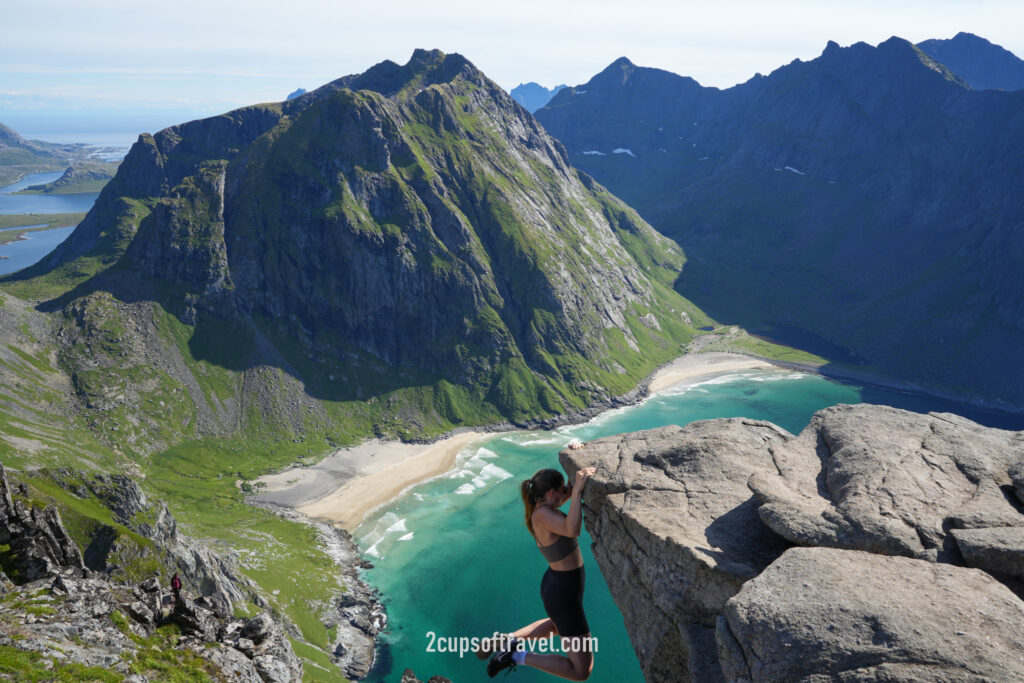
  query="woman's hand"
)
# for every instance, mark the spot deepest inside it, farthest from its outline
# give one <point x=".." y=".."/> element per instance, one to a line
<point x="581" y="479"/>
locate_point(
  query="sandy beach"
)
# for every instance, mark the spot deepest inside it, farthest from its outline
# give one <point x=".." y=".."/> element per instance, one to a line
<point x="343" y="487"/>
<point x="687" y="368"/>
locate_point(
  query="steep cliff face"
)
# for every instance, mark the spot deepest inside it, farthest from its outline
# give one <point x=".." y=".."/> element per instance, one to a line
<point x="862" y="200"/>
<point x="909" y="523"/>
<point x="407" y="227"/>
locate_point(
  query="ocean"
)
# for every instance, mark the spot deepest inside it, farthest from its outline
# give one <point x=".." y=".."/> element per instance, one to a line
<point x="453" y="558"/>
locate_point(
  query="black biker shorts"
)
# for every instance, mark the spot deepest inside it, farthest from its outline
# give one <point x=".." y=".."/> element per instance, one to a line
<point x="562" y="593"/>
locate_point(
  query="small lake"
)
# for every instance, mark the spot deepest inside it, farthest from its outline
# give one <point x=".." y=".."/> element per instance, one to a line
<point x="25" y="252"/>
<point x="43" y="203"/>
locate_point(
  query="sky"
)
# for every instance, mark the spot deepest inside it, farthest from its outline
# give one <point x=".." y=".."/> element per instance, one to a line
<point x="103" y="65"/>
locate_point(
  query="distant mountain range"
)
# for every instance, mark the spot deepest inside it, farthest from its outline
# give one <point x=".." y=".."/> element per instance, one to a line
<point x="866" y="204"/>
<point x="981" y="64"/>
<point x="533" y="96"/>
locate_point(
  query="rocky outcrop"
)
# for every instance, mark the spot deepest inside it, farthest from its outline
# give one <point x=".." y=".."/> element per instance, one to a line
<point x="692" y="525"/>
<point x="39" y="544"/>
<point x="998" y="551"/>
<point x="409" y="676"/>
<point x="891" y="482"/>
<point x="95" y="623"/>
<point x="212" y="584"/>
<point x="211" y="575"/>
<point x="357" y="615"/>
<point x="825" y="614"/>
<point x="679" y="532"/>
<point x="67" y="613"/>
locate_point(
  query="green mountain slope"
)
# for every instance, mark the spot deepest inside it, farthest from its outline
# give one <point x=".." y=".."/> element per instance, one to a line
<point x="398" y="252"/>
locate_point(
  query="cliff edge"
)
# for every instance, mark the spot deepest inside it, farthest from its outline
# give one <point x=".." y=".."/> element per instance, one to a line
<point x="876" y="544"/>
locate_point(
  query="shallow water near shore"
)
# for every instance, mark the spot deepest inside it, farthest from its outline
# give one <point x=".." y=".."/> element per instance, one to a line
<point x="452" y="555"/>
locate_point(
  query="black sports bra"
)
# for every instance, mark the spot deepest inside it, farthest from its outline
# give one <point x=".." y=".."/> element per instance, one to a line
<point x="560" y="549"/>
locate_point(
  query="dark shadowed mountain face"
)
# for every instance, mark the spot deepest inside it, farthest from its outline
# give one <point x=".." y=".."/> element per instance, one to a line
<point x="406" y="227"/>
<point x="982" y="65"/>
<point x="533" y="96"/>
<point x="866" y="199"/>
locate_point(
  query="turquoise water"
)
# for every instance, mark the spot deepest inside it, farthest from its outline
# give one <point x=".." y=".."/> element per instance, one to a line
<point x="453" y="556"/>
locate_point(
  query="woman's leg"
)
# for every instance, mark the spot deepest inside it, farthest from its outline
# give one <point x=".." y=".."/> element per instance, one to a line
<point x="576" y="665"/>
<point x="539" y="629"/>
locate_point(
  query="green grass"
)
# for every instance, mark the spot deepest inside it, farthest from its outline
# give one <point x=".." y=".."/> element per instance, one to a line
<point x="9" y="224"/>
<point x="136" y="557"/>
<point x="33" y="667"/>
<point x="198" y="478"/>
<point x="84" y="187"/>
<point x="158" y="658"/>
<point x="318" y="667"/>
<point x="753" y="346"/>
<point x="97" y="175"/>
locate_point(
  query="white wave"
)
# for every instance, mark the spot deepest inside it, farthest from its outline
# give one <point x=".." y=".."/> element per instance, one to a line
<point x="780" y="376"/>
<point x="623" y="150"/>
<point x="465" y="489"/>
<point x="407" y="537"/>
<point x="397" y="526"/>
<point x="601" y="418"/>
<point x="494" y="472"/>
<point x="536" y="442"/>
<point x="595" y="152"/>
<point x="387" y="523"/>
<point x="790" y="168"/>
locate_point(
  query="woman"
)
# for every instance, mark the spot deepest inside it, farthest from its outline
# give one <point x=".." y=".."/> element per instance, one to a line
<point x="561" y="589"/>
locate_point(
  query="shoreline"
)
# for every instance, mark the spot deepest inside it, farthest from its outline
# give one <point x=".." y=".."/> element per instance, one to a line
<point x="344" y="487"/>
<point x="692" y="366"/>
<point x="347" y="485"/>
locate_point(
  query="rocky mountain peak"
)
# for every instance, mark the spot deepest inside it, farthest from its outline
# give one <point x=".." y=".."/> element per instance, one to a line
<point x="424" y="68"/>
<point x="887" y="132"/>
<point x="981" y="63"/>
<point x="407" y="225"/>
